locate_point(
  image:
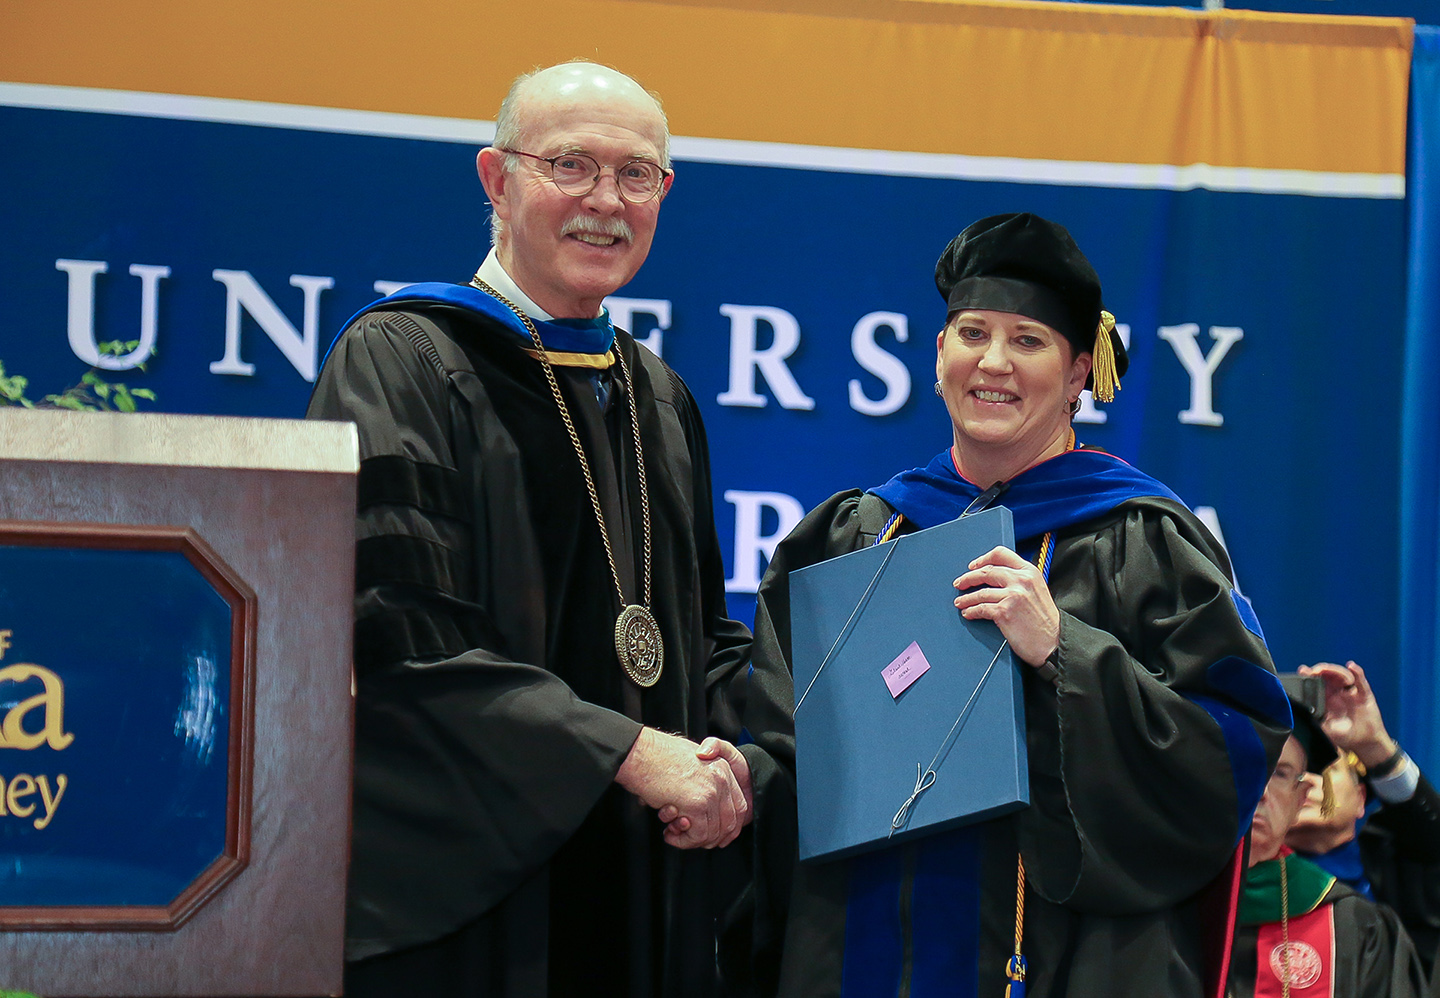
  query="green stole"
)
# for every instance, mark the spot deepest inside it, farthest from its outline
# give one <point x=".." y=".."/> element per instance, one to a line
<point x="1260" y="897"/>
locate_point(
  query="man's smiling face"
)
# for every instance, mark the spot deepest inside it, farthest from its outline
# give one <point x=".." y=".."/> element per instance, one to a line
<point x="567" y="253"/>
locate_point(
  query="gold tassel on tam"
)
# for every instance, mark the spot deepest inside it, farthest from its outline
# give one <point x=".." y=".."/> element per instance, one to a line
<point x="1327" y="795"/>
<point x="1105" y="379"/>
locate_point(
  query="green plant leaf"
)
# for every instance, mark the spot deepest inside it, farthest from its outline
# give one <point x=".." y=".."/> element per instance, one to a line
<point x="13" y="388"/>
<point x="91" y="393"/>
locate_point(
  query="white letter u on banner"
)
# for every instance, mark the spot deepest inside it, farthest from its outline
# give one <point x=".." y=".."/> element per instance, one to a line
<point x="80" y="321"/>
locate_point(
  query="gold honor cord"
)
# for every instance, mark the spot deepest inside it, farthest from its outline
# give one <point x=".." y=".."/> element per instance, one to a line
<point x="638" y="642"/>
<point x="1284" y="929"/>
<point x="1015" y="969"/>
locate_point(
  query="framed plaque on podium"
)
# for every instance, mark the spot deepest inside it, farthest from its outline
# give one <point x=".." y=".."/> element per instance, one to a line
<point x="175" y="703"/>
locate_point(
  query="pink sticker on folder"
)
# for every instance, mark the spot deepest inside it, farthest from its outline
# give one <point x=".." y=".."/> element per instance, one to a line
<point x="908" y="666"/>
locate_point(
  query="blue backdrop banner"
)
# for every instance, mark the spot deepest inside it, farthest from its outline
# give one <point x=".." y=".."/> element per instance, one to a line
<point x="1266" y="329"/>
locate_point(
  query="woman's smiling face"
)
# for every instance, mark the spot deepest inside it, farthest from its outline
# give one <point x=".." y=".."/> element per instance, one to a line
<point x="1007" y="381"/>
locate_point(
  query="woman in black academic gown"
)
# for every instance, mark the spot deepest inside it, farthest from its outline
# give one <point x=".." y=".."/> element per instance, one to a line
<point x="1152" y="714"/>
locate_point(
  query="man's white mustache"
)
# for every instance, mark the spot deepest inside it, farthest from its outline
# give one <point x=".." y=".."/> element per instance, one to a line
<point x="616" y="227"/>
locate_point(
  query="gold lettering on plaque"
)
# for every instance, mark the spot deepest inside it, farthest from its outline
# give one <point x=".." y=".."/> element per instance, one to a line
<point x="13" y="794"/>
<point x="51" y="701"/>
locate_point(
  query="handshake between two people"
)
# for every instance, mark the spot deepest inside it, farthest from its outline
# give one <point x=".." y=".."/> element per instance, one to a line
<point x="702" y="792"/>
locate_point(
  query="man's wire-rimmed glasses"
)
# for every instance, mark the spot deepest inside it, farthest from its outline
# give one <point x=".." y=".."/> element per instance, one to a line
<point x="1284" y="780"/>
<point x="576" y="174"/>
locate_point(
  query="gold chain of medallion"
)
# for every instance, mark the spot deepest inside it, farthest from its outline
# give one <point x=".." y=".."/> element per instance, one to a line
<point x="637" y="636"/>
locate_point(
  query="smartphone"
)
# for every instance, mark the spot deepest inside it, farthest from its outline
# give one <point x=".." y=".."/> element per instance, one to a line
<point x="1306" y="690"/>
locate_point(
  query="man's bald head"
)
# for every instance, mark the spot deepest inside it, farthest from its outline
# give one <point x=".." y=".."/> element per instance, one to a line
<point x="537" y="96"/>
<point x="578" y="85"/>
<point x="568" y="247"/>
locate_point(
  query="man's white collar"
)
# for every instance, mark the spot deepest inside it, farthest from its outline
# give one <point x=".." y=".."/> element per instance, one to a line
<point x="493" y="274"/>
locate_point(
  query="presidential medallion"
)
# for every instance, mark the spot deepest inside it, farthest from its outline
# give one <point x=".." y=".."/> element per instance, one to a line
<point x="639" y="646"/>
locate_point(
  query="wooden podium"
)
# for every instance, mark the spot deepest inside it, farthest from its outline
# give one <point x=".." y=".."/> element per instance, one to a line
<point x="175" y="703"/>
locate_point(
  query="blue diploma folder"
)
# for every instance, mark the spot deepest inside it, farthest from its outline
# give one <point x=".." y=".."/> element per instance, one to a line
<point x="857" y="745"/>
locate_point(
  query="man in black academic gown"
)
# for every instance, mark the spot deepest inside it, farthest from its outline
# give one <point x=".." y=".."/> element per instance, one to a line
<point x="1296" y="919"/>
<point x="539" y="596"/>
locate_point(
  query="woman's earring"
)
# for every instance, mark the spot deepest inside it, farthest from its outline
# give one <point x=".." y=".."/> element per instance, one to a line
<point x="937" y="389"/>
<point x="1073" y="406"/>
